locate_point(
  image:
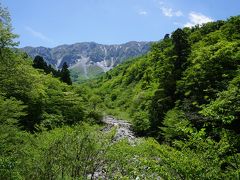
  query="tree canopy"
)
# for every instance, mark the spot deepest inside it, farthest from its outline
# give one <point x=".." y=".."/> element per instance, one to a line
<point x="182" y="98"/>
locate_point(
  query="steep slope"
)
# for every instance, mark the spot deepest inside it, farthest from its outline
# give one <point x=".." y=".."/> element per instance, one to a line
<point x="89" y="59"/>
<point x="185" y="93"/>
<point x="182" y="86"/>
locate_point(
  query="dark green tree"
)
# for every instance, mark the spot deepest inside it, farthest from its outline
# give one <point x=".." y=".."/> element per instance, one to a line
<point x="181" y="49"/>
<point x="167" y="36"/>
<point x="65" y="74"/>
<point x="39" y="63"/>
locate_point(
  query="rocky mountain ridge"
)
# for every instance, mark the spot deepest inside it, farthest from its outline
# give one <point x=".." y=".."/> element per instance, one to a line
<point x="89" y="59"/>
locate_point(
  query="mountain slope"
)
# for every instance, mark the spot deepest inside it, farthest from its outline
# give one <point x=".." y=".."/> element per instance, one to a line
<point x="188" y="82"/>
<point x="185" y="93"/>
<point x="89" y="59"/>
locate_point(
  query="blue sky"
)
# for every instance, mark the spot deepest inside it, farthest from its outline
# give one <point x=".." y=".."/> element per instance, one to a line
<point x="54" y="22"/>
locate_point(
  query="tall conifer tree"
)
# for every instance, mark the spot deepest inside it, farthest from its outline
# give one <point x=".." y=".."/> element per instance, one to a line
<point x="65" y="74"/>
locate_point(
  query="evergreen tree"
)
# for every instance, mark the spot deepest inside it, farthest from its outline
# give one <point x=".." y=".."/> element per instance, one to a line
<point x="167" y="36"/>
<point x="181" y="49"/>
<point x="65" y="74"/>
<point x="180" y="42"/>
<point x="164" y="98"/>
<point x="39" y="63"/>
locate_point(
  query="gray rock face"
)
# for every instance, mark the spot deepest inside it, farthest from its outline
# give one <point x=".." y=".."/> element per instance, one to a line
<point x="123" y="128"/>
<point x="89" y="55"/>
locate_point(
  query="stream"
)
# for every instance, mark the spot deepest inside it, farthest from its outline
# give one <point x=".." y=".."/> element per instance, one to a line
<point x="123" y="128"/>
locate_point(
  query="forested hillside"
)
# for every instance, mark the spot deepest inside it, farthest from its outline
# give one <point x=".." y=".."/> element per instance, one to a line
<point x="32" y="103"/>
<point x="185" y="92"/>
<point x="182" y="98"/>
<point x="192" y="71"/>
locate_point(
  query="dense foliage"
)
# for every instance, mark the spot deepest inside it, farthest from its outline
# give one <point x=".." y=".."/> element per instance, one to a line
<point x="184" y="93"/>
<point x="31" y="102"/>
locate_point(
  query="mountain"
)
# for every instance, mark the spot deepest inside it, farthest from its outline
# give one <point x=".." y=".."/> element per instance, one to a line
<point x="88" y="59"/>
<point x="183" y="96"/>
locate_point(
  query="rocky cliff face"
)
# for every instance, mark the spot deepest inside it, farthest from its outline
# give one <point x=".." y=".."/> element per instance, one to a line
<point x="88" y="59"/>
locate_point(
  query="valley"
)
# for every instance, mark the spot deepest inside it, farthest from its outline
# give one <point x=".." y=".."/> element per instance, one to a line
<point x="168" y="109"/>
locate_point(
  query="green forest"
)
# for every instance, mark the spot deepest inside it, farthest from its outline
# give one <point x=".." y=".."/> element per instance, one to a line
<point x="182" y="99"/>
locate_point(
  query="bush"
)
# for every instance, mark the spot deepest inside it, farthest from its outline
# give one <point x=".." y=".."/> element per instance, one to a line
<point x="141" y="122"/>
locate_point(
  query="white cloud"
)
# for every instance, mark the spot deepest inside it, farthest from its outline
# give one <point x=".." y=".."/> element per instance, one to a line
<point x="142" y="12"/>
<point x="38" y="35"/>
<point x="169" y="12"/>
<point x="197" y="18"/>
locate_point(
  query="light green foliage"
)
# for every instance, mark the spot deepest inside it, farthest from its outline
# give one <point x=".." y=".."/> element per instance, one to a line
<point x="50" y="103"/>
<point x="150" y="160"/>
<point x="226" y="107"/>
<point x="33" y="101"/>
<point x="6" y="37"/>
<point x="141" y="122"/>
<point x="129" y="162"/>
<point x="43" y="94"/>
<point x="94" y="100"/>
<point x="10" y="110"/>
<point x="10" y="136"/>
<point x="65" y="153"/>
<point x="184" y="93"/>
<point x="176" y="126"/>
<point x="210" y="70"/>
